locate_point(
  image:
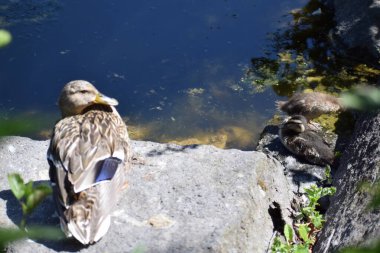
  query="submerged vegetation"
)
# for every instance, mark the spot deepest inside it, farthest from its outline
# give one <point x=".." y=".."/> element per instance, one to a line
<point x="304" y="56"/>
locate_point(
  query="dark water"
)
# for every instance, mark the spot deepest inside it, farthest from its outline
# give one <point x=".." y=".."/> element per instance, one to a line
<point x="176" y="67"/>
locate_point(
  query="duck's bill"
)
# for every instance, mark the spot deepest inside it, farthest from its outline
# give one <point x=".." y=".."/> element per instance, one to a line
<point x="102" y="99"/>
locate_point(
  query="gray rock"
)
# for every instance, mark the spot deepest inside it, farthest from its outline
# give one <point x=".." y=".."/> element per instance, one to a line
<point x="349" y="220"/>
<point x="182" y="199"/>
<point x="358" y="28"/>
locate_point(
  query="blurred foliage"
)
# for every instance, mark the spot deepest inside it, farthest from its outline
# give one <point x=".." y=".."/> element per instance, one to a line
<point x="29" y="197"/>
<point x="363" y="98"/>
<point x="5" y="37"/>
<point x="8" y="235"/>
<point x="303" y="56"/>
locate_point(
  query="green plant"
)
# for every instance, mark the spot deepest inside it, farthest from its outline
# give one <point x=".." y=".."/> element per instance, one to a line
<point x="328" y="176"/>
<point x="28" y="195"/>
<point x="310" y="221"/>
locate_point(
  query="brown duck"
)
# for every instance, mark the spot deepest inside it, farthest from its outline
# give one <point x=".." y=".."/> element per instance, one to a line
<point x="310" y="105"/>
<point x="299" y="139"/>
<point x="89" y="155"/>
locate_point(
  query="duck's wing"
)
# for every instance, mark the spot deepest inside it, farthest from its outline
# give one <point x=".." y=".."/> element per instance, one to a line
<point x="82" y="143"/>
<point x="311" y="147"/>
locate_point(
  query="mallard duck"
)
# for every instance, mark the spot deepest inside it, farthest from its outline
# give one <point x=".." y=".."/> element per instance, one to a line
<point x="310" y="105"/>
<point x="89" y="155"/>
<point x="299" y="139"/>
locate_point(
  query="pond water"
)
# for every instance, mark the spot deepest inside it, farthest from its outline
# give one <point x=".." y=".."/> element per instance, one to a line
<point x="176" y="67"/>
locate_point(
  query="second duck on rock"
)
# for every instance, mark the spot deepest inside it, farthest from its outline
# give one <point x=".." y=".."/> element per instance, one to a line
<point x="299" y="139"/>
<point x="310" y="105"/>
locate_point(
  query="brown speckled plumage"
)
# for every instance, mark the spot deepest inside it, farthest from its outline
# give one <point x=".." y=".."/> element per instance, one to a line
<point x="310" y="105"/>
<point x="299" y="139"/>
<point x="90" y="136"/>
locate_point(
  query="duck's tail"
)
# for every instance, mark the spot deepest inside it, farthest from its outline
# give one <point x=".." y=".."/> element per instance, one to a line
<point x="280" y="104"/>
<point x="87" y="220"/>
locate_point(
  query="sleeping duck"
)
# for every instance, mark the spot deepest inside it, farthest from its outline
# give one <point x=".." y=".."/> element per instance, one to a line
<point x="310" y="105"/>
<point x="89" y="155"/>
<point x="299" y="139"/>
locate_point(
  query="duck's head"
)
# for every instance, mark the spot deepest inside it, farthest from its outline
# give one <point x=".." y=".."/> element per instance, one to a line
<point x="296" y="124"/>
<point x="78" y="95"/>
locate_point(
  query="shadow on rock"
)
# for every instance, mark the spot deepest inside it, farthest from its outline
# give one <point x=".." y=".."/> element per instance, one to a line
<point x="171" y="148"/>
<point x="43" y="215"/>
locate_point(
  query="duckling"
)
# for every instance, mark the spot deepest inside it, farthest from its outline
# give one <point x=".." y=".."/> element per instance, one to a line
<point x="310" y="105"/>
<point x="299" y="139"/>
<point x="89" y="155"/>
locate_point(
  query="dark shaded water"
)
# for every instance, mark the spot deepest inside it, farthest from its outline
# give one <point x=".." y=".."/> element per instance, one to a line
<point x="176" y="67"/>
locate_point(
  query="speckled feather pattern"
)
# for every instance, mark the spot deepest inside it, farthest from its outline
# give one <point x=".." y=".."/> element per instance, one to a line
<point x="310" y="105"/>
<point x="307" y="144"/>
<point x="78" y="148"/>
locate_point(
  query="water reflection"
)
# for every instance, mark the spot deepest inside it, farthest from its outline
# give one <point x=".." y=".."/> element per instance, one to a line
<point x="305" y="56"/>
<point x="174" y="66"/>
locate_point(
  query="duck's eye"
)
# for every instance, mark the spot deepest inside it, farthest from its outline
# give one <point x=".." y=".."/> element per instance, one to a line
<point x="84" y="91"/>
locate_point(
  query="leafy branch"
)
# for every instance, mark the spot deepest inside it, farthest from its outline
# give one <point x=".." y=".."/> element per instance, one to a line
<point x="29" y="197"/>
<point x="310" y="223"/>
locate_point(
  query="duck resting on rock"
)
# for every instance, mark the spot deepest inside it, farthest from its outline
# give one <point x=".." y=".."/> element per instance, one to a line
<point x="298" y="138"/>
<point x="310" y="105"/>
<point x="89" y="155"/>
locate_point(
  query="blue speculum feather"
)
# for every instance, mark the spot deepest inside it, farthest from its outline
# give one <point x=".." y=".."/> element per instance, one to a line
<point x="108" y="169"/>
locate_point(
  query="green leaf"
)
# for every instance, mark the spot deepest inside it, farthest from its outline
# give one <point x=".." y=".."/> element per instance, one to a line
<point x="17" y="185"/>
<point x="317" y="220"/>
<point x="28" y="188"/>
<point x="5" y="37"/>
<point x="39" y="193"/>
<point x="288" y="232"/>
<point x="307" y="211"/>
<point x="303" y="231"/>
<point x="301" y="248"/>
<point x="8" y="235"/>
<point x="328" y="191"/>
<point x="279" y="247"/>
<point x="46" y="233"/>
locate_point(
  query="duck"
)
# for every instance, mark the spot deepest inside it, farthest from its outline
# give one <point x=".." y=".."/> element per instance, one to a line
<point x="302" y="141"/>
<point x="89" y="155"/>
<point x="310" y="105"/>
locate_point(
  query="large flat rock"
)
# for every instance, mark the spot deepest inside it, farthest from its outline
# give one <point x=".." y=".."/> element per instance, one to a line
<point x="182" y="199"/>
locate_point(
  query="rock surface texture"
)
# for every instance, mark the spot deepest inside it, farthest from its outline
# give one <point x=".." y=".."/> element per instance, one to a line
<point x="181" y="199"/>
<point x="349" y="220"/>
<point x="358" y="28"/>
